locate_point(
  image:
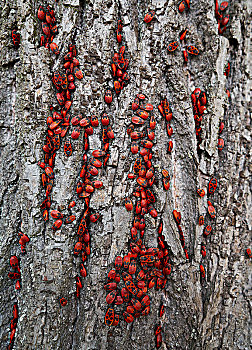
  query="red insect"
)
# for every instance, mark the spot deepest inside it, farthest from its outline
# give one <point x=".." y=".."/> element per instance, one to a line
<point x="45" y="28"/>
<point x="14" y="262"/>
<point x="68" y="148"/>
<point x="76" y="133"/>
<point x="109" y="317"/>
<point x="108" y="96"/>
<point x="131" y="287"/>
<point x="221" y="127"/>
<point x="166" y="184"/>
<point x="177" y="216"/>
<point x="202" y="271"/>
<point x="119" y="25"/>
<point x="220" y="144"/>
<point x="118" y="262"/>
<point x="142" y="182"/>
<point x="136" y="304"/>
<point x="161" y="310"/>
<point x="117" y="87"/>
<point x="182" y="6"/>
<point x="137" y="120"/>
<point x="125" y="295"/>
<point x="56" y="225"/>
<point x="185" y="54"/>
<point x="78" y="73"/>
<point x="128" y="317"/>
<point x="152" y="211"/>
<point x="83" y="271"/>
<point x="17" y="285"/>
<point x="71" y="204"/>
<point x="63" y="301"/>
<point x="203" y="251"/>
<point x="203" y="98"/>
<point x="201" y="192"/>
<point x="23" y="240"/>
<point x="56" y="214"/>
<point x="70" y="219"/>
<point x="78" y="248"/>
<point x="105" y="119"/>
<point x="183" y="35"/>
<point x="110" y="286"/>
<point x="166" y="174"/>
<point x="116" y="320"/>
<point x="111" y="297"/>
<point x="207" y="230"/>
<point x="137" y="165"/>
<point x="223" y="5"/>
<point x="192" y="50"/>
<point x="147" y="144"/>
<point x="158" y="340"/>
<point x="118" y="36"/>
<point x="135" y="135"/>
<point x="41" y="13"/>
<point x="128" y="204"/>
<point x="211" y="210"/>
<point x="201" y="220"/>
<point x="15" y="38"/>
<point x="248" y="253"/>
<point x="149" y="16"/>
<point x="227" y="69"/>
<point x="132" y="267"/>
<point x="170" y="146"/>
<point x="54" y="48"/>
<point x="212" y="185"/>
<point x="146" y="311"/>
<point x="14" y="275"/>
<point x="142" y="114"/>
<point x="173" y="46"/>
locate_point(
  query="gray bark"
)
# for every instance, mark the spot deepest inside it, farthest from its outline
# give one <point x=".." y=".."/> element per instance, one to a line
<point x="213" y="314"/>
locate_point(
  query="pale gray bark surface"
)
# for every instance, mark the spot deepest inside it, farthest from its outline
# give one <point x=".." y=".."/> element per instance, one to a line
<point x="214" y="314"/>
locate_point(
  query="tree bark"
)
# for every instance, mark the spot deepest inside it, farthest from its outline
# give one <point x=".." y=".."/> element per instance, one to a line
<point x="210" y="313"/>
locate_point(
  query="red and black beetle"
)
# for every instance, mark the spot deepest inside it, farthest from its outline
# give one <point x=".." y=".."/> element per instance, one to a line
<point x="15" y="38"/>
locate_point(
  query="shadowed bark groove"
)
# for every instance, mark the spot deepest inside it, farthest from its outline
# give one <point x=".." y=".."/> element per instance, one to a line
<point x="211" y="313"/>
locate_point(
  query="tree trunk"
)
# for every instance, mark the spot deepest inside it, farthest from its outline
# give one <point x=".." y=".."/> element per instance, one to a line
<point x="200" y="313"/>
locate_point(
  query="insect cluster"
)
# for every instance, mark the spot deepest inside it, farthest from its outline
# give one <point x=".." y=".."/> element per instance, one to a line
<point x="192" y="50"/>
<point x="58" y="125"/>
<point x="212" y="185"/>
<point x="165" y="111"/>
<point x="199" y="102"/>
<point x="222" y="16"/>
<point x="141" y="268"/>
<point x="16" y="275"/>
<point x="49" y="28"/>
<point x="13" y="325"/>
<point x="119" y="66"/>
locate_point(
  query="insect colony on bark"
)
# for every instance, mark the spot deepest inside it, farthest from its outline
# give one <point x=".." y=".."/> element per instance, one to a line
<point x="119" y="67"/>
<point x="141" y="268"/>
<point x="222" y="16"/>
<point x="192" y="50"/>
<point x="49" y="28"/>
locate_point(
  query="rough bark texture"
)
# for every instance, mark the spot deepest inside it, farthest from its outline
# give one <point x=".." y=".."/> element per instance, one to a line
<point x="210" y="314"/>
